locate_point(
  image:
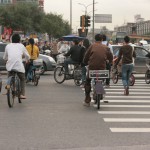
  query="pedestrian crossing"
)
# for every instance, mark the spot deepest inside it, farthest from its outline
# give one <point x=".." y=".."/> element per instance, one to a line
<point x="127" y="114"/>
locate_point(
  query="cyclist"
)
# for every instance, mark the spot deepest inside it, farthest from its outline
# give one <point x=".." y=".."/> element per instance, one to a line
<point x="74" y="54"/>
<point x="14" y="52"/>
<point x="95" y="57"/>
<point x="33" y="51"/>
<point x="126" y="53"/>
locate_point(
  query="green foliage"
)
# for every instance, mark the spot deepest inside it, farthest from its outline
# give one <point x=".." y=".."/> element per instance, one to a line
<point x="27" y="17"/>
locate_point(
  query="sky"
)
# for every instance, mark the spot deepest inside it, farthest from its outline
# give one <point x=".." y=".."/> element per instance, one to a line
<point x="122" y="11"/>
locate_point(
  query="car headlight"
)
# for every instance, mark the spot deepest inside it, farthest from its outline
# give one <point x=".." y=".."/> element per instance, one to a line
<point x="51" y="60"/>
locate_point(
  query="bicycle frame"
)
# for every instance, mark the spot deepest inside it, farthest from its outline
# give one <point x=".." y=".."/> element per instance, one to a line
<point x="99" y="76"/>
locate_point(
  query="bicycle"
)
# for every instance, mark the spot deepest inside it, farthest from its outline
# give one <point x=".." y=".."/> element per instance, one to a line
<point x="147" y="73"/>
<point x="33" y="74"/>
<point x="13" y="88"/>
<point x="74" y="72"/>
<point x="98" y="87"/>
<point x="116" y="74"/>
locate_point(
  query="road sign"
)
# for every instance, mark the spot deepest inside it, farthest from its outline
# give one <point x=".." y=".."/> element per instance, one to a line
<point x="103" y="18"/>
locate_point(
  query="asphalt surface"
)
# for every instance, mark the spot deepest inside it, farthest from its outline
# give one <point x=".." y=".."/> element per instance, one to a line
<point x="53" y="118"/>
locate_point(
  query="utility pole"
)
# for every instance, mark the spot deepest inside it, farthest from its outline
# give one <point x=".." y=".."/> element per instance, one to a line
<point x="71" y="15"/>
<point x="93" y="19"/>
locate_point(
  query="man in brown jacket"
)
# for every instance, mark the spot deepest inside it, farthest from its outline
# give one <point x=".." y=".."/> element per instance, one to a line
<point x="96" y="57"/>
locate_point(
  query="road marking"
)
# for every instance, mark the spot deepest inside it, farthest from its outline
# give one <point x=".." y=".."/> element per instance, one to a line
<point x="129" y="106"/>
<point x="127" y="101"/>
<point x="128" y="97"/>
<point x="130" y="129"/>
<point x="137" y="93"/>
<point x="139" y="90"/>
<point x="125" y="112"/>
<point x="126" y="119"/>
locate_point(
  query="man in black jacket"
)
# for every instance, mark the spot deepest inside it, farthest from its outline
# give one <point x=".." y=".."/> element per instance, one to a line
<point x="74" y="54"/>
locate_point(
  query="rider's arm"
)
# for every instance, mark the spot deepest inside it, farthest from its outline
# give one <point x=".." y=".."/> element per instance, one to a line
<point x="109" y="56"/>
<point x="26" y="54"/>
<point x="69" y="52"/>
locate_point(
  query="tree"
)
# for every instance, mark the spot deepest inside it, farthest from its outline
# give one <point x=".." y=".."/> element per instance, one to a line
<point x="55" y="26"/>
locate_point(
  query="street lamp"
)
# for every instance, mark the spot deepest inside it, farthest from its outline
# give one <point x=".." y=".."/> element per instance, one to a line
<point x="85" y="7"/>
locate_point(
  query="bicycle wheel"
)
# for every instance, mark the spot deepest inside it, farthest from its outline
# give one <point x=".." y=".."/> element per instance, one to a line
<point x="115" y="78"/>
<point x="132" y="80"/>
<point x="98" y="101"/>
<point x="147" y="77"/>
<point x="77" y="76"/>
<point x="59" y="74"/>
<point x="36" y="80"/>
<point x="18" y="90"/>
<point x="11" y="94"/>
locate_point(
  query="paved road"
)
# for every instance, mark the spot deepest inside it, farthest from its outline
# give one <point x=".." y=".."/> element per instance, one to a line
<point x="53" y="118"/>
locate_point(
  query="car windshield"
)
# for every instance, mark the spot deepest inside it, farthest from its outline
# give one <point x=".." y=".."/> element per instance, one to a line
<point x="116" y="49"/>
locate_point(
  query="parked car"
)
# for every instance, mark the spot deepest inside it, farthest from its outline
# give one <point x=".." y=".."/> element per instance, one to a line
<point x="140" y="60"/>
<point x="48" y="62"/>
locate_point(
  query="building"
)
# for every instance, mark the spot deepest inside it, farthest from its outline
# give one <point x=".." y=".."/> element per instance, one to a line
<point x="140" y="27"/>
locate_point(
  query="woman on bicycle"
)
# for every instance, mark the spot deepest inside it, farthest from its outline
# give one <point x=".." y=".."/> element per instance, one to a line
<point x="33" y="51"/>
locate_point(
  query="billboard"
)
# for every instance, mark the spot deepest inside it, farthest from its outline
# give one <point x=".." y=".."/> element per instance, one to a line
<point x="103" y="18"/>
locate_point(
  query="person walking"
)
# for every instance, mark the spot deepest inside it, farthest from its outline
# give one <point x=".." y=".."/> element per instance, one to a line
<point x="95" y="57"/>
<point x="126" y="53"/>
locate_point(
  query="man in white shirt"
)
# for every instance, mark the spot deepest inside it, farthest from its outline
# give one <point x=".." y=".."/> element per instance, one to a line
<point x="14" y="53"/>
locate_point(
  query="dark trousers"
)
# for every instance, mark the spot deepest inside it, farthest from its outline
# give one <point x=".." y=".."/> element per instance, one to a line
<point x="108" y="67"/>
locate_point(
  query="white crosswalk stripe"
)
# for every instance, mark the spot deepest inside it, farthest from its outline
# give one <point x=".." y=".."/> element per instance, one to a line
<point x="127" y="114"/>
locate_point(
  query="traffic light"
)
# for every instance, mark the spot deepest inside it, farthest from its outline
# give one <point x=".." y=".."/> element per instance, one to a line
<point x="82" y="21"/>
<point x="87" y="21"/>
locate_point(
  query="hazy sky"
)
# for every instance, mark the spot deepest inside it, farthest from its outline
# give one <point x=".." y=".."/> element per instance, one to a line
<point x="122" y="10"/>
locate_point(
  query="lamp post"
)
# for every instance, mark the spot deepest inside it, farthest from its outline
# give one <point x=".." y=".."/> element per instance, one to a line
<point x="85" y="7"/>
<point x="71" y="15"/>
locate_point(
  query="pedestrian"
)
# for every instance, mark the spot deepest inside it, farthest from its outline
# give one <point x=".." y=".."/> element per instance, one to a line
<point x="95" y="57"/>
<point x="126" y="53"/>
<point x="108" y="64"/>
<point x="84" y="46"/>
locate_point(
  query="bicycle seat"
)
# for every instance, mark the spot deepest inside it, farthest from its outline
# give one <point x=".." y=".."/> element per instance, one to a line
<point x="14" y="70"/>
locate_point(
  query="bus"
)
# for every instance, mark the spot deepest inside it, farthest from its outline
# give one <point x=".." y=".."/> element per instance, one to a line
<point x="118" y="37"/>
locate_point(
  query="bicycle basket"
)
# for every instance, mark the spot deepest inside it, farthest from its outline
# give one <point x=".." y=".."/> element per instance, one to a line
<point x="99" y="74"/>
<point x="38" y="62"/>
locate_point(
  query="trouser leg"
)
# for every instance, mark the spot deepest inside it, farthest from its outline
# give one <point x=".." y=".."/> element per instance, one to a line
<point x="22" y="82"/>
<point x="87" y="87"/>
<point x="108" y="67"/>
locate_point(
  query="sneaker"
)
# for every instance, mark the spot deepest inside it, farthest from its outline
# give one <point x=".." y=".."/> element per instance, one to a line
<point x="86" y="104"/>
<point x="22" y="97"/>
